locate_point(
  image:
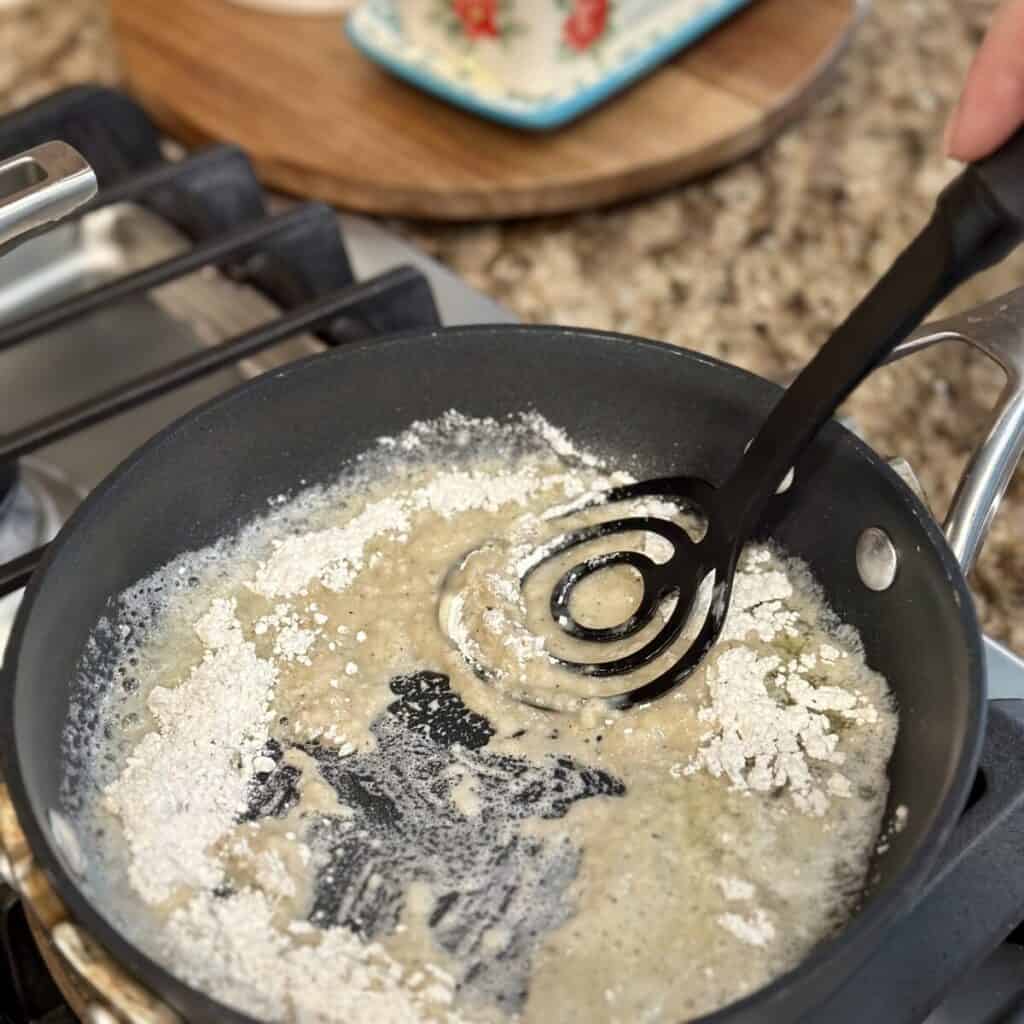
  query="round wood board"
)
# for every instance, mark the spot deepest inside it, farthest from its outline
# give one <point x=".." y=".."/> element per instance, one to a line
<point x="320" y="120"/>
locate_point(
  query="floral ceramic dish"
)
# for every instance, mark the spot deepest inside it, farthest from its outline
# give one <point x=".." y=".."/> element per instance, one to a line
<point x="533" y="64"/>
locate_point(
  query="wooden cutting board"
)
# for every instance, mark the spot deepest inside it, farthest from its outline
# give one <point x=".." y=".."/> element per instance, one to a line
<point x="320" y="120"/>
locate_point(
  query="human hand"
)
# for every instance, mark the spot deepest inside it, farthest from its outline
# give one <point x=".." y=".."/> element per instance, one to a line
<point x="991" y="107"/>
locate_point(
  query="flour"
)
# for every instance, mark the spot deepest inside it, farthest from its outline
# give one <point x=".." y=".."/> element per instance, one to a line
<point x="331" y="811"/>
<point x="185" y="781"/>
<point x="333" y="556"/>
<point x="456" y="491"/>
<point x="757" y="601"/>
<point x="760" y="743"/>
<point x="454" y="624"/>
<point x="329" y="976"/>
<point x="756" y="930"/>
<point x="294" y="636"/>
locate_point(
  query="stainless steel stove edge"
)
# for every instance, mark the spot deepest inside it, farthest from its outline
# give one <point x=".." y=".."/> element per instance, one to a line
<point x="1005" y="671"/>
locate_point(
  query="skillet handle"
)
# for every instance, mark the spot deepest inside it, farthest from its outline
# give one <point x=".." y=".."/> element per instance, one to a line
<point x="997" y="329"/>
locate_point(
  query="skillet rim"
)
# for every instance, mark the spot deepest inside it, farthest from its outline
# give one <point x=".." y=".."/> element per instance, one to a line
<point x="852" y="940"/>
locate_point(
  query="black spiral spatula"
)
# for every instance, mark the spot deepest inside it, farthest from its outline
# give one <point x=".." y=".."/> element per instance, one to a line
<point x="978" y="219"/>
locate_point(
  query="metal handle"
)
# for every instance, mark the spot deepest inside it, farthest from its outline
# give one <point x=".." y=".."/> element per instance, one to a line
<point x="997" y="329"/>
<point x="40" y="186"/>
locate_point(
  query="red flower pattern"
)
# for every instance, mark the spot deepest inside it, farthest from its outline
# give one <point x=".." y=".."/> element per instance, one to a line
<point x="479" y="17"/>
<point x="586" y="23"/>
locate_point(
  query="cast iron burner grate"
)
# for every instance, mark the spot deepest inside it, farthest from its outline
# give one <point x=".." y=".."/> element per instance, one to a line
<point x="296" y="258"/>
<point x="298" y="261"/>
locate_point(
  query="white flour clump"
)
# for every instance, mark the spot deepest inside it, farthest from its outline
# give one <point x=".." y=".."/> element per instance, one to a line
<point x="759" y="743"/>
<point x="237" y="952"/>
<point x="756" y="930"/>
<point x="186" y="780"/>
<point x="334" y="555"/>
<point x="757" y="601"/>
<point x="770" y="726"/>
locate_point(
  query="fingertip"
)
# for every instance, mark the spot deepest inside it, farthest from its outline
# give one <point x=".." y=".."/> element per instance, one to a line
<point x="973" y="136"/>
<point x="991" y="106"/>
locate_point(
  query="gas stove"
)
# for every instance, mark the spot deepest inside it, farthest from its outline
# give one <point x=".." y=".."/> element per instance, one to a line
<point x="180" y="280"/>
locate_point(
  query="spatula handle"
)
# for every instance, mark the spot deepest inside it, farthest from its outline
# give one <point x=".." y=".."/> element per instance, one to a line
<point x="978" y="219"/>
<point x="1002" y="176"/>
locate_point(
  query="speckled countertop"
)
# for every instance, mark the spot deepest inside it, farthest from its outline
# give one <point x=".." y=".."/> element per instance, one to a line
<point x="754" y="264"/>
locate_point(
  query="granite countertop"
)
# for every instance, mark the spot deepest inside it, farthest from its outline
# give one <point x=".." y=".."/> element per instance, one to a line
<point x="754" y="264"/>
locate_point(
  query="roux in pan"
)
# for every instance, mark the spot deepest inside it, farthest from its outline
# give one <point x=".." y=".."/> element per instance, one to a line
<point x="324" y="814"/>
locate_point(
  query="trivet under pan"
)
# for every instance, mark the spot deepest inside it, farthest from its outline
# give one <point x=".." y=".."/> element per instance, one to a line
<point x="320" y="120"/>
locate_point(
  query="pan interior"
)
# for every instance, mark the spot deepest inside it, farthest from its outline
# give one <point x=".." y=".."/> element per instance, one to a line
<point x="651" y="409"/>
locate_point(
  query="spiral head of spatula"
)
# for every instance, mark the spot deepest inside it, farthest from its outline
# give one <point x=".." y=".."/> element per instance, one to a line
<point x="695" y="579"/>
<point x="678" y="579"/>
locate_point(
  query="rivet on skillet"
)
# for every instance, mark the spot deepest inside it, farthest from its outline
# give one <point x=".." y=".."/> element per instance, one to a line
<point x="877" y="560"/>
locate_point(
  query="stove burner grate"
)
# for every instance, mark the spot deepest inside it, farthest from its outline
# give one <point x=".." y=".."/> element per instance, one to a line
<point x="297" y="259"/>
